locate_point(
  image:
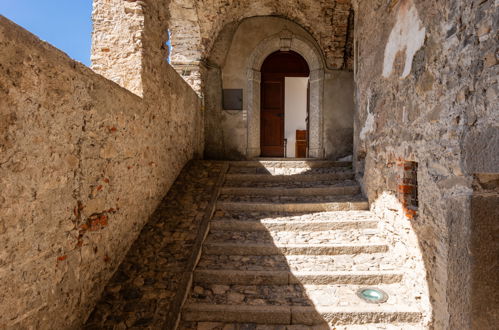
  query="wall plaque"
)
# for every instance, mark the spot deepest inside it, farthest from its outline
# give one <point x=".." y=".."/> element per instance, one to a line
<point x="233" y="99"/>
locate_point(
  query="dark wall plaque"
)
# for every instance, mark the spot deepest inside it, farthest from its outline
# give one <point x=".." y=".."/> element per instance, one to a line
<point x="233" y="99"/>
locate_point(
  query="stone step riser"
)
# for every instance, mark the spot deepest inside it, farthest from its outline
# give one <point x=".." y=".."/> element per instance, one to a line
<point x="332" y="191"/>
<point x="229" y="277"/>
<point x="284" y="315"/>
<point x="293" y="207"/>
<point x="305" y="249"/>
<point x="292" y="164"/>
<point x="291" y="226"/>
<point x="233" y="178"/>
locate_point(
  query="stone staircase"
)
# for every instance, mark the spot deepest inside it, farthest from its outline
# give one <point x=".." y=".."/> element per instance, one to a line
<point x="289" y="246"/>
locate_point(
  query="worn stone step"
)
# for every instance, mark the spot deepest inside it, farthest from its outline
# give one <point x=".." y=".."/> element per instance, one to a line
<point x="291" y="184"/>
<point x="297" y="237"/>
<point x="283" y="225"/>
<point x="290" y="199"/>
<point x="286" y="178"/>
<point x="245" y="277"/>
<point x="300" y="294"/>
<point x="358" y="215"/>
<point x="305" y="191"/>
<point x="373" y="262"/>
<point x="294" y="207"/>
<point x="257" y="249"/>
<point x="290" y="163"/>
<point x="288" y="170"/>
<point x="283" y="315"/>
<point x="186" y="325"/>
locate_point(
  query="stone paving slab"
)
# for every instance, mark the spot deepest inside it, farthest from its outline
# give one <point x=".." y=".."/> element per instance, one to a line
<point x="144" y="291"/>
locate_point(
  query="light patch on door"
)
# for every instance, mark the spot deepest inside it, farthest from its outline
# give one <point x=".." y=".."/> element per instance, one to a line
<point x="407" y="35"/>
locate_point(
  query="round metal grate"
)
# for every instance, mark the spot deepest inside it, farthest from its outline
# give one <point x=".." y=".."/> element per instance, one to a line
<point x="372" y="295"/>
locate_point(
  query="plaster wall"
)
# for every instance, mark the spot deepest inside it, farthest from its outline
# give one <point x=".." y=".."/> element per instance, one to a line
<point x="295" y="110"/>
<point x="339" y="114"/>
<point x="429" y="95"/>
<point x="227" y="131"/>
<point x="83" y="163"/>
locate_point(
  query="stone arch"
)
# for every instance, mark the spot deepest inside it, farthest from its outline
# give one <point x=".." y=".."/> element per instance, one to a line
<point x="285" y="41"/>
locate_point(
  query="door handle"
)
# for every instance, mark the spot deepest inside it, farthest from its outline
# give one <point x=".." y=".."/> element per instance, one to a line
<point x="280" y="115"/>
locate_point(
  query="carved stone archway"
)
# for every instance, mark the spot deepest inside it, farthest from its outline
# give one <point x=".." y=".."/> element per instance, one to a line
<point x="285" y="41"/>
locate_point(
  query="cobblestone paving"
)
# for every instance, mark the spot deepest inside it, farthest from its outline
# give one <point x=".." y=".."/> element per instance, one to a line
<point x="145" y="285"/>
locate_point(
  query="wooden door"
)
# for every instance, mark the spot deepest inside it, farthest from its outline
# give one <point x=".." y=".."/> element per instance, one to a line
<point x="272" y="117"/>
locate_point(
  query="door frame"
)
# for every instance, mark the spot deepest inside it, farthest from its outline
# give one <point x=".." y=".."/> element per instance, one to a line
<point x="285" y="41"/>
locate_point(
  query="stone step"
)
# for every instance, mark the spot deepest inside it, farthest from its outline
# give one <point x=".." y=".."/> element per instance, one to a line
<point x="284" y="315"/>
<point x="246" y="277"/>
<point x="283" y="225"/>
<point x="329" y="236"/>
<point x="277" y="191"/>
<point x="291" y="184"/>
<point x="257" y="249"/>
<point x="374" y="262"/>
<point x="290" y="163"/>
<point x="186" y="325"/>
<point x="288" y="170"/>
<point x="294" y="207"/>
<point x="286" y="178"/>
<point x="361" y="215"/>
<point x="291" y="199"/>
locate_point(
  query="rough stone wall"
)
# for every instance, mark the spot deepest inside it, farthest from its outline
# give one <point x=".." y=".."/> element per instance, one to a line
<point x="484" y="251"/>
<point x="195" y="26"/>
<point x="426" y="91"/>
<point x="117" y="42"/>
<point x="83" y="163"/>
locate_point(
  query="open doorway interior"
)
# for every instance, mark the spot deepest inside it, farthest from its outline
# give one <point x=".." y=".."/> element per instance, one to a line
<point x="295" y="116"/>
<point x="284" y="105"/>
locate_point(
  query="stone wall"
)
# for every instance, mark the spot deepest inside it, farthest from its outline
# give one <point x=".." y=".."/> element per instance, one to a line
<point x="196" y="24"/>
<point x="83" y="163"/>
<point x="228" y="133"/>
<point x="426" y="92"/>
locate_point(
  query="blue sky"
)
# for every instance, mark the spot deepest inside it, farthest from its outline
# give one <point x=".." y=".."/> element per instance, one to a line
<point x="66" y="24"/>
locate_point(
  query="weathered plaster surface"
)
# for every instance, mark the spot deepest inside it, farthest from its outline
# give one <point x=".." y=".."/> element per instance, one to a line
<point x="83" y="163"/>
<point x="407" y="36"/>
<point x="443" y="115"/>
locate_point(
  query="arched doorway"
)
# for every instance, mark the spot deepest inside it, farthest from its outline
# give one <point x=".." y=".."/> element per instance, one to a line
<point x="275" y="69"/>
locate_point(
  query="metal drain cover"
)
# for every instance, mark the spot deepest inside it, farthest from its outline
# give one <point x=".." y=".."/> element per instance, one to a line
<point x="372" y="295"/>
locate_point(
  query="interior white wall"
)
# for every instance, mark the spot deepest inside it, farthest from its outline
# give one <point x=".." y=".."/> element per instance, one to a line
<point x="295" y="110"/>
